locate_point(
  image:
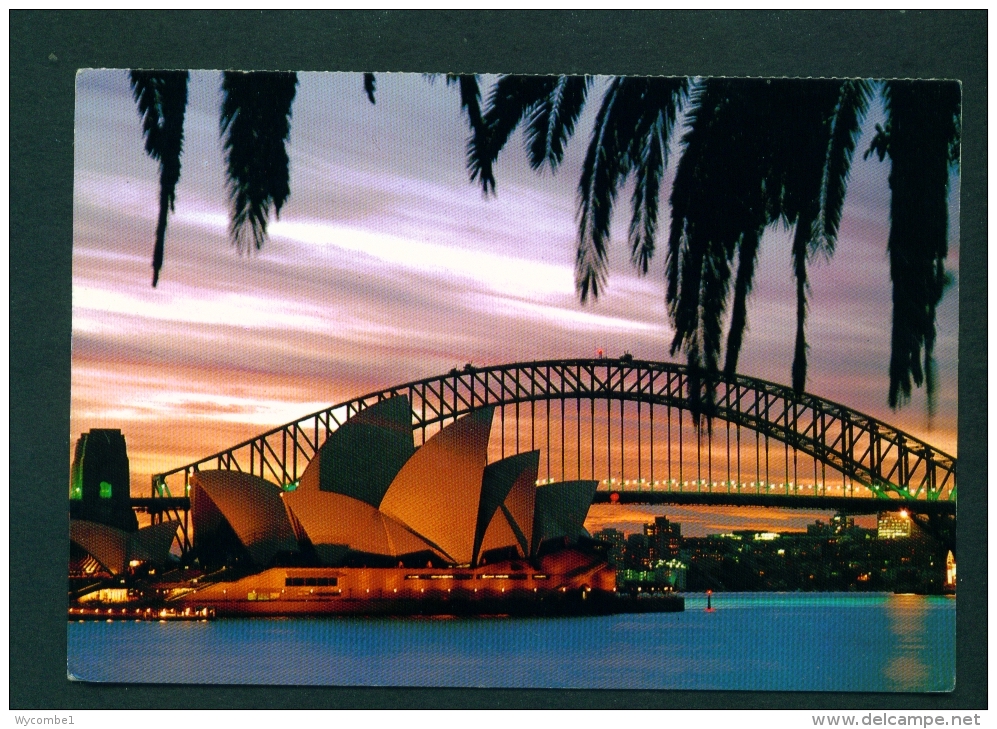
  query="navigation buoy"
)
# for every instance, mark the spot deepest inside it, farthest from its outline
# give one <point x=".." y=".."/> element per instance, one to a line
<point x="709" y="603"/>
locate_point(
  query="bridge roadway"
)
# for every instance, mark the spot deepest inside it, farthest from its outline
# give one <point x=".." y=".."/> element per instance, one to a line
<point x="160" y="504"/>
<point x="845" y="504"/>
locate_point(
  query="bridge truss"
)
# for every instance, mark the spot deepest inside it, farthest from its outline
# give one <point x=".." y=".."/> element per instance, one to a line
<point x="630" y="425"/>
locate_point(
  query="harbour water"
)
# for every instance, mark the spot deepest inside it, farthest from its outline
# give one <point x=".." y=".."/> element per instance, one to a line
<point x="750" y="641"/>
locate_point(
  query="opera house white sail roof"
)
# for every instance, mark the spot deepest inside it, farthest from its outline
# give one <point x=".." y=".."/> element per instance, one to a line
<point x="508" y="494"/>
<point x="334" y="524"/>
<point x="250" y="505"/>
<point x="114" y="548"/>
<point x="362" y="456"/>
<point x="438" y="491"/>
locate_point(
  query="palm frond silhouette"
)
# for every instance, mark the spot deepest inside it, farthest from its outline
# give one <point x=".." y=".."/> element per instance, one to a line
<point x="162" y="101"/>
<point x="256" y="125"/>
<point x="921" y="139"/>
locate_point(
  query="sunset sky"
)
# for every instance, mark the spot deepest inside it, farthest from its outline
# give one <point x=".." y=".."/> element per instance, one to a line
<point x="387" y="265"/>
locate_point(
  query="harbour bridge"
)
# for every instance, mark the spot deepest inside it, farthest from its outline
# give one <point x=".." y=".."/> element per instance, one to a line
<point x="641" y="429"/>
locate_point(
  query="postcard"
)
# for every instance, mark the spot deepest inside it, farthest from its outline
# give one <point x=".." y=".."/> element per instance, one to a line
<point x="514" y="381"/>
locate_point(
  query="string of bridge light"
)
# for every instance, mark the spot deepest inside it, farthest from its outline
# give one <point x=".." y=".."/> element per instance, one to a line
<point x="613" y="483"/>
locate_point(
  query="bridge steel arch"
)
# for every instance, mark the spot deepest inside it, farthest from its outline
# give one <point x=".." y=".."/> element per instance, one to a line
<point x="890" y="463"/>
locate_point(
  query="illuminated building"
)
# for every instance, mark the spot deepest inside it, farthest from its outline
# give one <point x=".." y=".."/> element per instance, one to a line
<point x="893" y="525"/>
<point x="842" y="523"/>
<point x="638" y="552"/>
<point x="362" y="456"/>
<point x="570" y="575"/>
<point x="508" y="520"/>
<point x="334" y="525"/>
<point x="665" y="539"/>
<point x="442" y="504"/>
<point x="617" y="542"/>
<point x="559" y="514"/>
<point x="437" y="493"/>
<point x="766" y="536"/>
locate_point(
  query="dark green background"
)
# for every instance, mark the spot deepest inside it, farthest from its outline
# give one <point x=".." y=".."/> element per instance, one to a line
<point x="46" y="49"/>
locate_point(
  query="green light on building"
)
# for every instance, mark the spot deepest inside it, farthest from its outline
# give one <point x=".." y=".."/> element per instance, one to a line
<point x="76" y="481"/>
<point x="105" y="490"/>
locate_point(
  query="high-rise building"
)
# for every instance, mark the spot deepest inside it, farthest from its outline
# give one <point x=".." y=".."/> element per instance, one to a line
<point x="617" y="541"/>
<point x="664" y="539"/>
<point x="893" y="525"/>
<point x="841" y="523"/>
<point x="638" y="552"/>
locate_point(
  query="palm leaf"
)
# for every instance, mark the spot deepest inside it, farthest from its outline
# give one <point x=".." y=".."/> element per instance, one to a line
<point x="630" y="134"/>
<point x="470" y="98"/>
<point x="717" y="198"/>
<point x="648" y="157"/>
<point x="850" y="110"/>
<point x="747" y="258"/>
<point x="756" y="152"/>
<point x="370" y="87"/>
<point x="255" y="124"/>
<point x="512" y="99"/>
<point x="921" y="133"/>
<point x="809" y="112"/>
<point x="647" y="186"/>
<point x="162" y="101"/>
<point x="716" y="286"/>
<point x="552" y="120"/>
<point x="601" y="171"/>
<point x="801" y="240"/>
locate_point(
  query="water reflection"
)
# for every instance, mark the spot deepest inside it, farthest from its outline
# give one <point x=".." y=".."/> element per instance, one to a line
<point x="907" y="615"/>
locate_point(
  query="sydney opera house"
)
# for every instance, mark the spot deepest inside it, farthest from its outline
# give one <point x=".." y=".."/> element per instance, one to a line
<point x="376" y="525"/>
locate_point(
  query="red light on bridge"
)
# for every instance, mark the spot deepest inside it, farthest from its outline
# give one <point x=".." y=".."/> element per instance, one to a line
<point x="614" y="498"/>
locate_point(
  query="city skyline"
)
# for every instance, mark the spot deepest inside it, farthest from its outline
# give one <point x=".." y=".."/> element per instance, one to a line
<point x="387" y="266"/>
